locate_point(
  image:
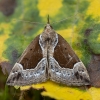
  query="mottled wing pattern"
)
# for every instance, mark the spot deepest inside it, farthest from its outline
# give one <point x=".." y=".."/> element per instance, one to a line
<point x="65" y="67"/>
<point x="30" y="68"/>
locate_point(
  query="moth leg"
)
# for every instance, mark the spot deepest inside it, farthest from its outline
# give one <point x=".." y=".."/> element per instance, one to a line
<point x="18" y="76"/>
<point x="77" y="76"/>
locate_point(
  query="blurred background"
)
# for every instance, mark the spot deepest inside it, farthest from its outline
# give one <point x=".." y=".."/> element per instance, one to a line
<point x="78" y="21"/>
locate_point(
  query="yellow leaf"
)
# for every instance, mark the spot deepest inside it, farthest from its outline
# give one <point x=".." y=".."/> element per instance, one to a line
<point x="60" y="92"/>
<point x="6" y="29"/>
<point x="3" y="37"/>
<point x="50" y="7"/>
<point x="66" y="33"/>
<point x="2" y="46"/>
<point x="94" y="8"/>
<point x="95" y="93"/>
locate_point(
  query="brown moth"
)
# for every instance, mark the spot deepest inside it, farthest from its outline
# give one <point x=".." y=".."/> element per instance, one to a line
<point x="48" y="56"/>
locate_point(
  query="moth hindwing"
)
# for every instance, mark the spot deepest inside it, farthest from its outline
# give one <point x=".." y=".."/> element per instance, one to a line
<point x="49" y="56"/>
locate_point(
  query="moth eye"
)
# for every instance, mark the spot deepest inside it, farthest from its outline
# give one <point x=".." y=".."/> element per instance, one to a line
<point x="30" y="49"/>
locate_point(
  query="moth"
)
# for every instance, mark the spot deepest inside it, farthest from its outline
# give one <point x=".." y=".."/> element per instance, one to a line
<point x="49" y="57"/>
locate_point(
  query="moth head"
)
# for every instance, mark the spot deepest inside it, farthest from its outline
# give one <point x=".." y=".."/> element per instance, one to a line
<point x="48" y="28"/>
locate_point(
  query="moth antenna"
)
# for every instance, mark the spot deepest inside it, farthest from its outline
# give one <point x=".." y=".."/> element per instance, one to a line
<point x="48" y="20"/>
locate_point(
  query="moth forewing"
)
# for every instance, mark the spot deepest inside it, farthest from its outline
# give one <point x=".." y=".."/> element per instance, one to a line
<point x="33" y="66"/>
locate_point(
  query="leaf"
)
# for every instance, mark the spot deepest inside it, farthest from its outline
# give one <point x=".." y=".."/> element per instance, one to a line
<point x="49" y="7"/>
<point x="94" y="8"/>
<point x="61" y="92"/>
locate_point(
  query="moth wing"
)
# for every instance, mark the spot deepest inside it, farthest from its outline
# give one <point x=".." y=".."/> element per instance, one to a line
<point x="65" y="67"/>
<point x="30" y="68"/>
